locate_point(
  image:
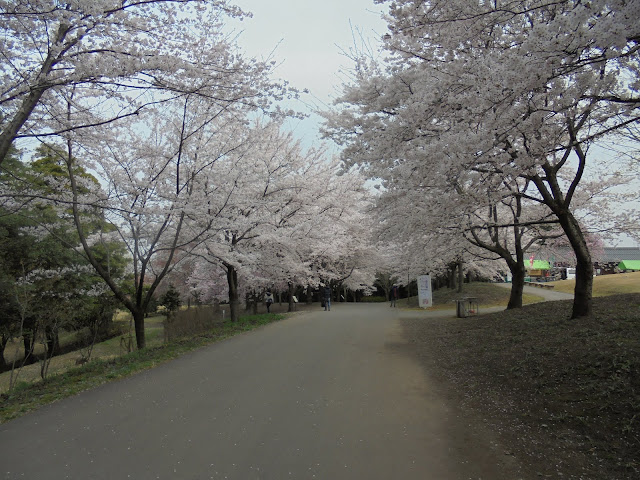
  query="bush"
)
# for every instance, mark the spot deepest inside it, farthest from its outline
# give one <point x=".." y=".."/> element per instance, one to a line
<point x="192" y="321"/>
<point x="171" y="299"/>
<point x="374" y="299"/>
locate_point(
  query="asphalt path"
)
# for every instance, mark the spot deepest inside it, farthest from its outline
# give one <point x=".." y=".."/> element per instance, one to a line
<point x="319" y="395"/>
<point x="546" y="293"/>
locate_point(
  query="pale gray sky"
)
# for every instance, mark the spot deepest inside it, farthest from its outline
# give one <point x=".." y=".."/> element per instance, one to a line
<point x="306" y="38"/>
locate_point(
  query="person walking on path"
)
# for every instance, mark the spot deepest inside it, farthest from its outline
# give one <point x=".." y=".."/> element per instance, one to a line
<point x="327" y="298"/>
<point x="268" y="299"/>
<point x="394" y="295"/>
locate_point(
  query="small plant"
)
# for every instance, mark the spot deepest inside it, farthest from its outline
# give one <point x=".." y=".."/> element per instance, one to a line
<point x="171" y="300"/>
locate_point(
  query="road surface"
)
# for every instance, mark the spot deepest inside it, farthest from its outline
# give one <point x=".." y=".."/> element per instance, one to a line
<point x="321" y="395"/>
<point x="546" y="293"/>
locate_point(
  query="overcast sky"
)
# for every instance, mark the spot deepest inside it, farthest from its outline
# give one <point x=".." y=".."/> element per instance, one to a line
<point x="305" y="38"/>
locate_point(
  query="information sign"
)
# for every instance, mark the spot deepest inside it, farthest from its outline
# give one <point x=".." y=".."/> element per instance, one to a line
<point x="425" y="298"/>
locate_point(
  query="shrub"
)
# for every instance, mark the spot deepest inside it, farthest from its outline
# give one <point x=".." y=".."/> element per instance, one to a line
<point x="373" y="299"/>
<point x="192" y="321"/>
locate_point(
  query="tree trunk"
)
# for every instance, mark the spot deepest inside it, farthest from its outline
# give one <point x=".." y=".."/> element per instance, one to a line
<point x="138" y="323"/>
<point x="582" y="299"/>
<point x="29" y="335"/>
<point x="27" y="343"/>
<point x="28" y="103"/>
<point x="247" y="301"/>
<point x="291" y="306"/>
<point x="4" y="366"/>
<point x="309" y="295"/>
<point x="234" y="302"/>
<point x="254" y="306"/>
<point x="18" y="120"/>
<point x="460" y="276"/>
<point x="52" y="341"/>
<point x="517" y="284"/>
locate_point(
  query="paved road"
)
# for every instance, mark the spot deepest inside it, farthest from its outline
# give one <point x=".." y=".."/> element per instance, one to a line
<point x="322" y="395"/>
<point x="547" y="294"/>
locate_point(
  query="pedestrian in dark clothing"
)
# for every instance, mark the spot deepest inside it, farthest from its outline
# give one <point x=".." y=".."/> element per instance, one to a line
<point x="327" y="298"/>
<point x="394" y="295"/>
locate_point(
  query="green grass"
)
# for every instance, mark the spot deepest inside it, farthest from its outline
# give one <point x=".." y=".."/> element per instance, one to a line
<point x="27" y="396"/>
<point x="570" y="387"/>
<point x="605" y="285"/>
<point x="488" y="295"/>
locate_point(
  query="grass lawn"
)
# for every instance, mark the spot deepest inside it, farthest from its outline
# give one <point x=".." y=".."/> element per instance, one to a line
<point x="107" y="350"/>
<point x="488" y="295"/>
<point x="564" y="395"/>
<point x="604" y="285"/>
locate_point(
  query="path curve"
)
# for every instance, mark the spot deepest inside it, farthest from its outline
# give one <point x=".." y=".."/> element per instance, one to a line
<point x="548" y="294"/>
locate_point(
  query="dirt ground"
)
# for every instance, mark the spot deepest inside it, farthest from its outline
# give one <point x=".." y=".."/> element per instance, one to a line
<point x="563" y="394"/>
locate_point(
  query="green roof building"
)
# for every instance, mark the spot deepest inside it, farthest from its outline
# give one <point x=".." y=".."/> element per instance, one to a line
<point x="537" y="265"/>
<point x="629" y="265"/>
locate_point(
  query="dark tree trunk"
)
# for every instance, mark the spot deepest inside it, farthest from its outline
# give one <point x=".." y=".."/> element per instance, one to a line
<point x="234" y="301"/>
<point x="582" y="299"/>
<point x="460" y="276"/>
<point x="29" y="334"/>
<point x="291" y="306"/>
<point x="53" y="342"/>
<point x="309" y="295"/>
<point x="451" y="277"/>
<point x="559" y="203"/>
<point x="26" y="342"/>
<point x="4" y="366"/>
<point x="138" y="323"/>
<point x="254" y="305"/>
<point x="517" y="284"/>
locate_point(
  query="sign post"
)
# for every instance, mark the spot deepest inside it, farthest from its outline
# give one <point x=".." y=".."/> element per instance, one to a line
<point x="425" y="298"/>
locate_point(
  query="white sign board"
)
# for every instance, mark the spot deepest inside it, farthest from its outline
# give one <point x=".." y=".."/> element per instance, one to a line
<point x="425" y="300"/>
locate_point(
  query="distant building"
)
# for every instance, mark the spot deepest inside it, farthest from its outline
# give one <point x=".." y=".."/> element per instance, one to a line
<point x="618" y="254"/>
<point x="606" y="263"/>
<point x="613" y="256"/>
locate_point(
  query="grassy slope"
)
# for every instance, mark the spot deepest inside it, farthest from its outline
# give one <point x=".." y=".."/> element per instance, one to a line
<point x="605" y="284"/>
<point x="564" y="393"/>
<point x="103" y="351"/>
<point x="488" y="295"/>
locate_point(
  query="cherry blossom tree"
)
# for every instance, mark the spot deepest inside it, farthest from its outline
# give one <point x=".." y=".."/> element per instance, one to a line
<point x="146" y="96"/>
<point x="520" y="92"/>
<point x="288" y="215"/>
<point x="157" y="189"/>
<point x="119" y="57"/>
